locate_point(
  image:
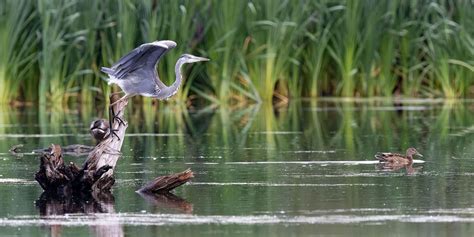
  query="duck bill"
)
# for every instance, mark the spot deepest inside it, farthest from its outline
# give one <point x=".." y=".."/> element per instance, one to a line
<point x="418" y="154"/>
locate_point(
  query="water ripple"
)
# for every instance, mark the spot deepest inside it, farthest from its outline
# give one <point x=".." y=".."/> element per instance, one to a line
<point x="318" y="162"/>
<point x="281" y="184"/>
<point x="175" y="219"/>
<point x="12" y="135"/>
<point x="16" y="181"/>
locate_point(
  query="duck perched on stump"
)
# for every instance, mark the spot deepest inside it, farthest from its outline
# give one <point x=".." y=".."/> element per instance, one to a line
<point x="398" y="159"/>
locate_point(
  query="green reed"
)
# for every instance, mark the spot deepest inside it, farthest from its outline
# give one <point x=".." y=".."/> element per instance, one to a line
<point x="225" y="43"/>
<point x="90" y="20"/>
<point x="17" y="54"/>
<point x="448" y="43"/>
<point x="181" y="20"/>
<point x="344" y="48"/>
<point x="274" y="29"/>
<point x="315" y="56"/>
<point x="58" y="59"/>
<point x="260" y="50"/>
<point x="411" y="70"/>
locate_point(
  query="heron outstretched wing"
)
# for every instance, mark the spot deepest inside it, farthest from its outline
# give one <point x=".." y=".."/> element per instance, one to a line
<point x="141" y="62"/>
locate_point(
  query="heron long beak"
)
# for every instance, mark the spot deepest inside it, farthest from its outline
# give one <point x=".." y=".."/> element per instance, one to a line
<point x="198" y="59"/>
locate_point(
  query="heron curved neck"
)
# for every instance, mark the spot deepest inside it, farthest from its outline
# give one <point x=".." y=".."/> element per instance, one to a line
<point x="179" y="76"/>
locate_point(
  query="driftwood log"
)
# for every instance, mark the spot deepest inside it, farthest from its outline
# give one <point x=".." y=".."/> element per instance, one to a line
<point x="164" y="184"/>
<point x="96" y="176"/>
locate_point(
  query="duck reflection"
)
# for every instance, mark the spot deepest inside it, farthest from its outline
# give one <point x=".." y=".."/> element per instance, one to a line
<point x="390" y="167"/>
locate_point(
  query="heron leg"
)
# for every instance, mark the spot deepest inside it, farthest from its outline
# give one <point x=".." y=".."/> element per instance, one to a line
<point x="112" y="131"/>
<point x="111" y="107"/>
<point x="114" y="117"/>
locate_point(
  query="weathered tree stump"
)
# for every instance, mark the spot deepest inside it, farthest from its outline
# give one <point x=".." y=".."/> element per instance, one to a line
<point x="54" y="176"/>
<point x="96" y="176"/>
<point x="98" y="169"/>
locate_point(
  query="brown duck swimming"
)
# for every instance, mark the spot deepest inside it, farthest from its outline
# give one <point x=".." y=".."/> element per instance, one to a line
<point x="398" y="159"/>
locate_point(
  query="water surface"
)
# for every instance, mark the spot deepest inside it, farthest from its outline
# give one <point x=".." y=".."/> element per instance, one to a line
<point x="306" y="169"/>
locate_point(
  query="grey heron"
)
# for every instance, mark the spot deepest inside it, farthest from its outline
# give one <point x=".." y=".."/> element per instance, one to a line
<point x="135" y="73"/>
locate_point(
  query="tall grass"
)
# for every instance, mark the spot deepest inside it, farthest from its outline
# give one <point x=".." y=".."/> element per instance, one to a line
<point x="447" y="42"/>
<point x="316" y="41"/>
<point x="18" y="49"/>
<point x="91" y="21"/>
<point x="180" y="20"/>
<point x="58" y="62"/>
<point x="275" y="29"/>
<point x="260" y="50"/>
<point x="344" y="48"/>
<point x="225" y="44"/>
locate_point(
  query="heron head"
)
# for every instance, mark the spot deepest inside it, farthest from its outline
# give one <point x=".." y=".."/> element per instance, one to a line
<point x="188" y="58"/>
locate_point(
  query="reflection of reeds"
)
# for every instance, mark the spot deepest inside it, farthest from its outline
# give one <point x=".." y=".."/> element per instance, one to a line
<point x="345" y="136"/>
<point x="260" y="132"/>
<point x="259" y="50"/>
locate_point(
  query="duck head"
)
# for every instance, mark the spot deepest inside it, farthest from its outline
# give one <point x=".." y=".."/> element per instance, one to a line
<point x="412" y="151"/>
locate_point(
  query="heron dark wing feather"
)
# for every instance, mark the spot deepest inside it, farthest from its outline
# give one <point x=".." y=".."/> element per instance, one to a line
<point x="129" y="57"/>
<point x="141" y="62"/>
<point x="138" y="60"/>
<point x="126" y="66"/>
<point x="133" y="62"/>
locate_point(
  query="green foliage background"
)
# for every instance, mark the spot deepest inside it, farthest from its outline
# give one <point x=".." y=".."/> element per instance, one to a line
<point x="51" y="50"/>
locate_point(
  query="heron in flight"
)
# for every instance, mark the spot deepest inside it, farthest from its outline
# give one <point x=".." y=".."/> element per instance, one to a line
<point x="135" y="73"/>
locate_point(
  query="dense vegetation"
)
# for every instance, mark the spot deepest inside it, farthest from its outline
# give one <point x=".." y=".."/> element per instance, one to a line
<point x="51" y="51"/>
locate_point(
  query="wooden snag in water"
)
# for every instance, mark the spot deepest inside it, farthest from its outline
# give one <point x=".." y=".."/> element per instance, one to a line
<point x="54" y="176"/>
<point x="96" y="174"/>
<point x="98" y="169"/>
<point x="164" y="184"/>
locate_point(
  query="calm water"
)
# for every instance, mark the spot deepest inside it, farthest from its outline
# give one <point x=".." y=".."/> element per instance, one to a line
<point x="300" y="170"/>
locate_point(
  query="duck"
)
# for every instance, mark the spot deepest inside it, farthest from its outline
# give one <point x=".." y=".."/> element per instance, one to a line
<point x="396" y="159"/>
<point x="100" y="129"/>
